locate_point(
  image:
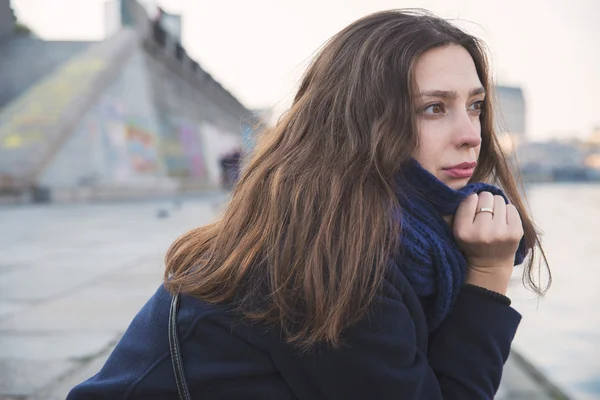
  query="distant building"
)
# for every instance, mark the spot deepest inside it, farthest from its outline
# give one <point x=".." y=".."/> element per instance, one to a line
<point x="170" y="23"/>
<point x="113" y="18"/>
<point x="130" y="116"/>
<point x="595" y="136"/>
<point x="510" y="110"/>
<point x="7" y="19"/>
<point x="510" y="116"/>
<point x="551" y="154"/>
<point x="592" y="150"/>
<point x="593" y="161"/>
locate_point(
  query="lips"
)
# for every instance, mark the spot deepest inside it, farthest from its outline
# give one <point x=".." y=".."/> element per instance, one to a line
<point x="461" y="171"/>
<point x="465" y="165"/>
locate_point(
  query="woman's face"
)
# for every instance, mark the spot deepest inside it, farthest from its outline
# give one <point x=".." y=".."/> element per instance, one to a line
<point x="449" y="101"/>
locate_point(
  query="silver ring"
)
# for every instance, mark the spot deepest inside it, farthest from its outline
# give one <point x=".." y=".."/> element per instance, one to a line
<point x="486" y="209"/>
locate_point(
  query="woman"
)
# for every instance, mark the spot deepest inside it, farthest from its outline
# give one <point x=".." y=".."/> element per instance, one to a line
<point x="361" y="256"/>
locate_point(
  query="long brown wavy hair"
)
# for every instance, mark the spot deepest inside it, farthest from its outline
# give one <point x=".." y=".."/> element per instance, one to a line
<point x="306" y="237"/>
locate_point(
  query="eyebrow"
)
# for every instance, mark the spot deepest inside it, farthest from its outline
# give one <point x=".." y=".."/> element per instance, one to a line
<point x="450" y="94"/>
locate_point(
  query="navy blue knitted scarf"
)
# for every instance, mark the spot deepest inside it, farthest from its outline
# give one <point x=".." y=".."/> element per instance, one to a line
<point x="429" y="257"/>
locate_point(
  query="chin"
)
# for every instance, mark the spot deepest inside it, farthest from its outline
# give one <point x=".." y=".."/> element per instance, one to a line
<point x="452" y="183"/>
<point x="456" y="184"/>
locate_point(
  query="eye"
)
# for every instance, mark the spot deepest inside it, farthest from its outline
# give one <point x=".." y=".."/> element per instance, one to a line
<point x="435" y="109"/>
<point x="477" y="107"/>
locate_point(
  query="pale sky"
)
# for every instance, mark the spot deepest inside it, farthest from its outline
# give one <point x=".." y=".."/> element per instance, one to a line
<point x="258" y="49"/>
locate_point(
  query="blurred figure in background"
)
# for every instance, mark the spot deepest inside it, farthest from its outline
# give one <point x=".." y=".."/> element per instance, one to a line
<point x="362" y="255"/>
<point x="230" y="168"/>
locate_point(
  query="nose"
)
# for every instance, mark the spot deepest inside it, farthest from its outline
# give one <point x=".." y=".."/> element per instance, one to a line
<point x="468" y="130"/>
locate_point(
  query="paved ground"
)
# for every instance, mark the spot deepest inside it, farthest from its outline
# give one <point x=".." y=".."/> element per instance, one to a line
<point x="73" y="277"/>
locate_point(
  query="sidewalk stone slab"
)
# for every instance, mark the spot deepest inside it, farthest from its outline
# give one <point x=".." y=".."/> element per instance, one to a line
<point x="98" y="309"/>
<point x="24" y="377"/>
<point x="9" y="308"/>
<point x="58" y="389"/>
<point x="47" y="284"/>
<point x="48" y="347"/>
<point x="517" y="384"/>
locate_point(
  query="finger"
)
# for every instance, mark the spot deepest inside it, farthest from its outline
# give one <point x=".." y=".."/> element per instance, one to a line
<point x="486" y="200"/>
<point x="466" y="212"/>
<point x="515" y="224"/>
<point x="500" y="211"/>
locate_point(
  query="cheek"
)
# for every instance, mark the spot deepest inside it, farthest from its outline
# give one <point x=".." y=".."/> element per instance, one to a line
<point x="429" y="146"/>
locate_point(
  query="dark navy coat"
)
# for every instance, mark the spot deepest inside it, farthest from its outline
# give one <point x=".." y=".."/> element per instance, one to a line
<point x="389" y="355"/>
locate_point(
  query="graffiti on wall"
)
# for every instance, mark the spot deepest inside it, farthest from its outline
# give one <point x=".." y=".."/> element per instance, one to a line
<point x="131" y="149"/>
<point x="112" y="143"/>
<point x="182" y="148"/>
<point x="192" y="149"/>
<point x="121" y="138"/>
<point x="171" y="150"/>
<point x="141" y="149"/>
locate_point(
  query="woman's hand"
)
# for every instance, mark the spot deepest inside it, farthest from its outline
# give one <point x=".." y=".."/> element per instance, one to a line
<point x="488" y="240"/>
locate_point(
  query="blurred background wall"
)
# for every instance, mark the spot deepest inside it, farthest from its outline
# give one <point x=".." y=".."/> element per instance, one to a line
<point x="131" y="115"/>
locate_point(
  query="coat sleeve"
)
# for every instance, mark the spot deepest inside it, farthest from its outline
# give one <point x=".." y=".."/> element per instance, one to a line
<point x="384" y="357"/>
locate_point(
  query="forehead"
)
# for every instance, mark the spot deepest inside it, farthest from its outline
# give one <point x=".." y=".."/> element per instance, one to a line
<point x="446" y="68"/>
